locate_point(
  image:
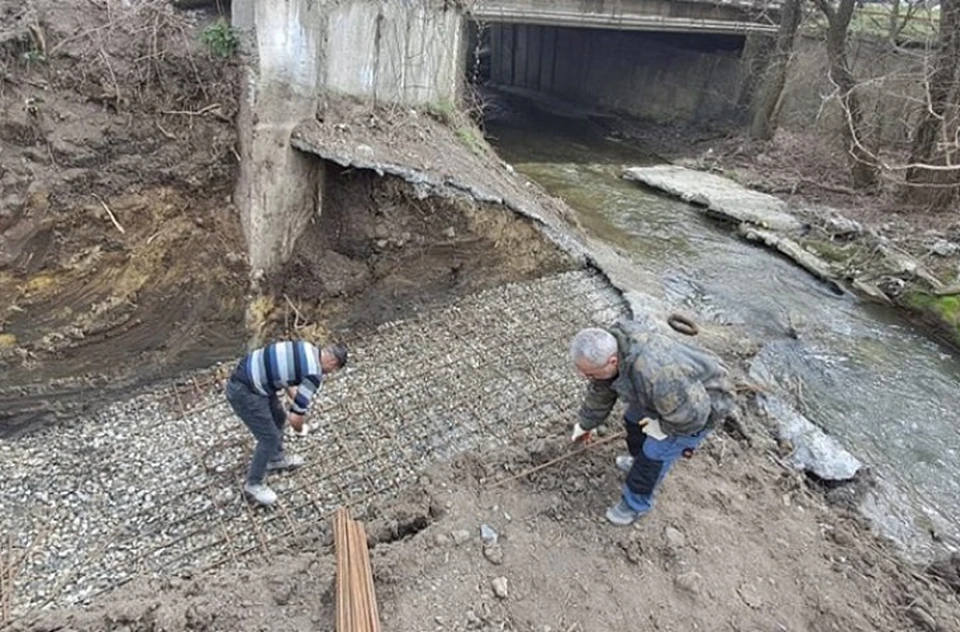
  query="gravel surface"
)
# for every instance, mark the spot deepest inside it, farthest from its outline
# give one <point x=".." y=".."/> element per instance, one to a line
<point x="152" y="485"/>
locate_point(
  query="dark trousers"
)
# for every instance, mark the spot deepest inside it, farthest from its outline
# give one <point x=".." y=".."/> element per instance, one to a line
<point x="265" y="418"/>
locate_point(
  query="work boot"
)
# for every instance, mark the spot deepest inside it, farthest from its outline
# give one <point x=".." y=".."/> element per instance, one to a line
<point x="625" y="463"/>
<point x="285" y="462"/>
<point x="621" y="514"/>
<point x="260" y="493"/>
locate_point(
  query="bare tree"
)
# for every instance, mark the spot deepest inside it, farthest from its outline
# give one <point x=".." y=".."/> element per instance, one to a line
<point x="941" y="86"/>
<point x="768" y="104"/>
<point x="863" y="166"/>
<point x="897" y="20"/>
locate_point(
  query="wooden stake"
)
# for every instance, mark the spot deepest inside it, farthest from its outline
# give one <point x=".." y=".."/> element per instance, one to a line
<point x="356" y="608"/>
<point x="4" y="615"/>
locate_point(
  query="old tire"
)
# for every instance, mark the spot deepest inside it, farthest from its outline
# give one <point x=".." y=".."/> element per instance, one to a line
<point x="683" y="324"/>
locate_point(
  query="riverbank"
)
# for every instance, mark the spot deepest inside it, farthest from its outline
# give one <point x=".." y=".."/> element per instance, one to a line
<point x="882" y="247"/>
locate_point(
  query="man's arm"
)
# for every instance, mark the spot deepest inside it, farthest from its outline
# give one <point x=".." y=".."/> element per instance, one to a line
<point x="301" y="400"/>
<point x="597" y="404"/>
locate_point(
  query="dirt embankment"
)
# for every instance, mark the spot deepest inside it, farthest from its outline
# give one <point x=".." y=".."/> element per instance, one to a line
<point x="121" y="261"/>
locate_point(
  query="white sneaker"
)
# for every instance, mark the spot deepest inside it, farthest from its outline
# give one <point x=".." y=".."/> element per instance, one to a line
<point x="260" y="493"/>
<point x="286" y="462"/>
<point x="624" y="463"/>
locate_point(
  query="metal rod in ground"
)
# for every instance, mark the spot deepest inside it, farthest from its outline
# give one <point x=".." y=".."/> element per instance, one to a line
<point x="373" y="612"/>
<point x="4" y="615"/>
<point x="559" y="459"/>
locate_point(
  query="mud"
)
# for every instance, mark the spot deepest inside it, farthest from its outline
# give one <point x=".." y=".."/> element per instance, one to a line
<point x="120" y="260"/>
<point x="379" y="252"/>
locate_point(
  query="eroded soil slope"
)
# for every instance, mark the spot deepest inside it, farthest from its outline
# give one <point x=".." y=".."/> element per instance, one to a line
<point x="120" y="259"/>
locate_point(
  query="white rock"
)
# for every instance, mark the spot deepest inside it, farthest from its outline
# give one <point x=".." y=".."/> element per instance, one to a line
<point x="499" y="586"/>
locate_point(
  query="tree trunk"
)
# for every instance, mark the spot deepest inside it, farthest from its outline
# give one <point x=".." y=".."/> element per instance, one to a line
<point x="754" y="61"/>
<point x="863" y="168"/>
<point x="940" y="87"/>
<point x="893" y="23"/>
<point x="765" y="116"/>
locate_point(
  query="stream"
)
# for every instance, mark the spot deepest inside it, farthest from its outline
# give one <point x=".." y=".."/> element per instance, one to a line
<point x="861" y="372"/>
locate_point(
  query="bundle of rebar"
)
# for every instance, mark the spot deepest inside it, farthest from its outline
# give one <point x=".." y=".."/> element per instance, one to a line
<point x="356" y="599"/>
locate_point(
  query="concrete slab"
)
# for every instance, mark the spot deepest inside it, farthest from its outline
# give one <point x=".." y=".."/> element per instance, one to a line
<point x="720" y="196"/>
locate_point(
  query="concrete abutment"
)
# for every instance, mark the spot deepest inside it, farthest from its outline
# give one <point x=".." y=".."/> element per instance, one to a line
<point x="295" y="51"/>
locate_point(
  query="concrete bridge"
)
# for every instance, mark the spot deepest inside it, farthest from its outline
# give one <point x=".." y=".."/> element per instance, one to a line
<point x="661" y="59"/>
<point x="684" y="16"/>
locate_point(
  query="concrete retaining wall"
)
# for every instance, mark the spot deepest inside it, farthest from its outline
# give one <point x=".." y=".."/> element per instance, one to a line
<point x="391" y="51"/>
<point x="657" y="76"/>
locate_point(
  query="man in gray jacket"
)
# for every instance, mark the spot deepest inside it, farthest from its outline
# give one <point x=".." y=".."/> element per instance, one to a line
<point x="675" y="394"/>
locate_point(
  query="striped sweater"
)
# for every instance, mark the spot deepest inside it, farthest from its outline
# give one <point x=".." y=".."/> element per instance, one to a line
<point x="283" y="364"/>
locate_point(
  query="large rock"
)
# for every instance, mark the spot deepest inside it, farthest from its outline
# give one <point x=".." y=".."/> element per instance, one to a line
<point x="813" y="450"/>
<point x="720" y="196"/>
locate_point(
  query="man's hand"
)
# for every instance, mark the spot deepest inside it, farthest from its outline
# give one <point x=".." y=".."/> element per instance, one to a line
<point x="292" y="392"/>
<point x="581" y="435"/>
<point x="296" y="422"/>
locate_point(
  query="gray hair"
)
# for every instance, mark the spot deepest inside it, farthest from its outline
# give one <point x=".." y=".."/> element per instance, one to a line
<point x="593" y="345"/>
<point x="339" y="351"/>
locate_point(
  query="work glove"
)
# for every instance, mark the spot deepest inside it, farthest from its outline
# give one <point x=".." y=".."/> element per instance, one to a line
<point x="581" y="435"/>
<point x="651" y="428"/>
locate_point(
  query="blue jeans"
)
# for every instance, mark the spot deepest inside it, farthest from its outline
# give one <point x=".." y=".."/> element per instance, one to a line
<point x="265" y="418"/>
<point x="652" y="459"/>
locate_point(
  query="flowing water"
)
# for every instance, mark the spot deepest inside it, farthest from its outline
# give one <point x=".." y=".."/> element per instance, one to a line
<point x="860" y="372"/>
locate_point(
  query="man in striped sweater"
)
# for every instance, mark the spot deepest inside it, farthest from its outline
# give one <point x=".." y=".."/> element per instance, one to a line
<point x="294" y="365"/>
